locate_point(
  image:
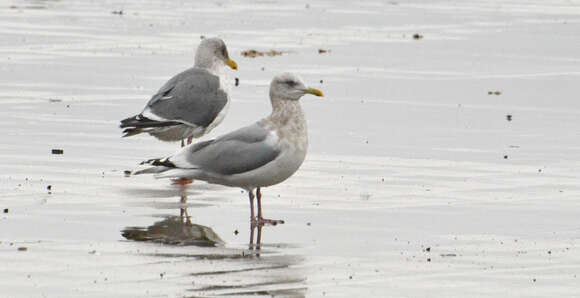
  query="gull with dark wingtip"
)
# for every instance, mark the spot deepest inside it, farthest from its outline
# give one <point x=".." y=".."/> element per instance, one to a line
<point x="191" y="103"/>
<point x="259" y="155"/>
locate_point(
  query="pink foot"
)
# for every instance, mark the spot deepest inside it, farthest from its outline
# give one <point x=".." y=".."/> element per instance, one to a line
<point x="181" y="181"/>
<point x="265" y="222"/>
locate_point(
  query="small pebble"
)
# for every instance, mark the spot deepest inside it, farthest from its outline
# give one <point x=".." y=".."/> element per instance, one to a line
<point x="236" y="232"/>
<point x="508" y="117"/>
<point x="505" y="157"/>
<point x="6" y="210"/>
<point x="237" y="82"/>
<point x="417" y="36"/>
<point x="127" y="173"/>
<point x="22" y="248"/>
<point x="57" y="151"/>
<point x="49" y="187"/>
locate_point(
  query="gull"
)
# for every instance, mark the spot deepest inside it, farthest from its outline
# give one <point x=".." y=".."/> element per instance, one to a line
<point x="191" y="103"/>
<point x="259" y="155"/>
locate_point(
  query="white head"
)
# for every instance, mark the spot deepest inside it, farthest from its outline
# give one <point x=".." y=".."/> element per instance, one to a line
<point x="211" y="51"/>
<point x="289" y="86"/>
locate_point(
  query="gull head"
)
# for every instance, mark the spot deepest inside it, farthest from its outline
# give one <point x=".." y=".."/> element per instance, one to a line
<point x="290" y="87"/>
<point x="212" y="52"/>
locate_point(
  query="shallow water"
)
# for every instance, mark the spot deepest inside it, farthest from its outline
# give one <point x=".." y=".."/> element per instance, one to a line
<point x="416" y="183"/>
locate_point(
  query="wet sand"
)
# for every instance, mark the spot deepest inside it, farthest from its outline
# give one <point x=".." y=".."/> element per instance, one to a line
<point x="418" y="182"/>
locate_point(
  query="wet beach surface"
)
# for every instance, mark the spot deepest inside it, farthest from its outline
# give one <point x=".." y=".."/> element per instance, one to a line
<point x="443" y="158"/>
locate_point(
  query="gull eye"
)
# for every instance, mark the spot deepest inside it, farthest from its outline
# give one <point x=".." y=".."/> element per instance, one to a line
<point x="291" y="83"/>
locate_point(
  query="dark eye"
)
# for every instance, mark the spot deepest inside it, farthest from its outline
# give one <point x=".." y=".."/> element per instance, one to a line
<point x="291" y="83"/>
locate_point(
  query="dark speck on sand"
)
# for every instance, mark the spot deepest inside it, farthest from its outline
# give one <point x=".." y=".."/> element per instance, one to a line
<point x="57" y="151"/>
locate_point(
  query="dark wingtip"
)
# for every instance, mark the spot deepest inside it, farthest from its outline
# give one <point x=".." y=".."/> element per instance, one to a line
<point x="159" y="162"/>
<point x="131" y="132"/>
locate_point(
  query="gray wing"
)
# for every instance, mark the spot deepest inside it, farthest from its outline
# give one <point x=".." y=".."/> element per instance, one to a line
<point x="193" y="96"/>
<point x="240" y="151"/>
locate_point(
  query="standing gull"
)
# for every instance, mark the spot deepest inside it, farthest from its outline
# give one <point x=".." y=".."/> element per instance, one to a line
<point x="262" y="154"/>
<point x="191" y="103"/>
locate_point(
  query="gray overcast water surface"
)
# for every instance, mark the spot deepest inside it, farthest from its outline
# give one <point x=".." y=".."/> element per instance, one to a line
<point x="416" y="183"/>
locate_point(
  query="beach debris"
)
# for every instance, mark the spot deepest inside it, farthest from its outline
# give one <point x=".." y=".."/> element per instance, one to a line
<point x="54" y="100"/>
<point x="117" y="12"/>
<point x="323" y="51"/>
<point x="417" y="36"/>
<point x="505" y="157"/>
<point x="493" y="92"/>
<point x="237" y="82"/>
<point x="321" y="81"/>
<point x="6" y="210"/>
<point x="57" y="151"/>
<point x="23" y="248"/>
<point x="236" y="232"/>
<point x="127" y="173"/>
<point x="508" y="117"/>
<point x="428" y="249"/>
<point x="49" y="187"/>
<point x="256" y="53"/>
<point x="428" y="259"/>
<point x="448" y="255"/>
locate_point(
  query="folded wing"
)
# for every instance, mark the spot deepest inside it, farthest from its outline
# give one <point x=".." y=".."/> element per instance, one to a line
<point x="193" y="97"/>
<point x="240" y="151"/>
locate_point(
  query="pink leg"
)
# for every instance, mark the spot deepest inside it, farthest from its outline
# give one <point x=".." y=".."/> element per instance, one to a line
<point x="263" y="221"/>
<point x="251" y="195"/>
<point x="182" y="143"/>
<point x="189" y="140"/>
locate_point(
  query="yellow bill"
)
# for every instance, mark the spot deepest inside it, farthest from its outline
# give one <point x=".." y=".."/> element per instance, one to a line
<point x="231" y="63"/>
<point x="314" y="91"/>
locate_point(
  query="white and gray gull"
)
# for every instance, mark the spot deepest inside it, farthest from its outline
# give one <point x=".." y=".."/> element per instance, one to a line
<point x="259" y="155"/>
<point x="191" y="103"/>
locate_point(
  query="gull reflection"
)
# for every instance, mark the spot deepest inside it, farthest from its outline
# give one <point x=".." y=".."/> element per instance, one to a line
<point x="210" y="268"/>
<point x="175" y="230"/>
